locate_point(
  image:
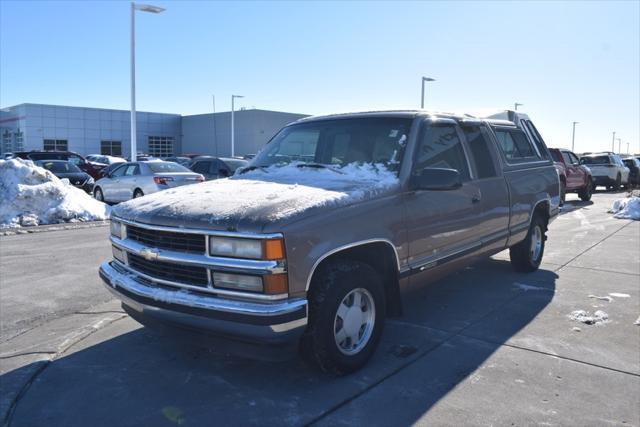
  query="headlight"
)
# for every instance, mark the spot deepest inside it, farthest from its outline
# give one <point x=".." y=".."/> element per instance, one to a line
<point x="118" y="229"/>
<point x="268" y="249"/>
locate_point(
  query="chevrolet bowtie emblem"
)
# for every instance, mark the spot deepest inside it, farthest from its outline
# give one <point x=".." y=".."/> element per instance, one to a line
<point x="149" y="254"/>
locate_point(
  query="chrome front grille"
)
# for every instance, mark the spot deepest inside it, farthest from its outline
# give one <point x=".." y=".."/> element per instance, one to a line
<point x="174" y="241"/>
<point x="179" y="273"/>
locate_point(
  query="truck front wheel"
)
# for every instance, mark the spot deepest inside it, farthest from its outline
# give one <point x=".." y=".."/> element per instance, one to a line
<point x="526" y="256"/>
<point x="346" y="316"/>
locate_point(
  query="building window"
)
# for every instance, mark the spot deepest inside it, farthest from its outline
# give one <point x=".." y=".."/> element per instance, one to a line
<point x="6" y="141"/>
<point x="161" y="146"/>
<point x="111" y="148"/>
<point x="19" y="145"/>
<point x="56" y="145"/>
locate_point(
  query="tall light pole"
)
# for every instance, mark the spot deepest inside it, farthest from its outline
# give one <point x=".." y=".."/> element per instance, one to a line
<point x="628" y="147"/>
<point x="424" y="80"/>
<point x="233" y="129"/>
<point x="215" y="139"/>
<point x="619" y="145"/>
<point x="613" y="142"/>
<point x="143" y="8"/>
<point x="516" y="105"/>
<point x="573" y="136"/>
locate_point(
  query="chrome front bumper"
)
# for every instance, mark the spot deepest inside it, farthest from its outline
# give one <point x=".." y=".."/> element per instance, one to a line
<point x="256" y="322"/>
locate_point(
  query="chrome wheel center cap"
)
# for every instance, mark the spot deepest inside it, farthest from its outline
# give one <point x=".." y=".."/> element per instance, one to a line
<point x="353" y="321"/>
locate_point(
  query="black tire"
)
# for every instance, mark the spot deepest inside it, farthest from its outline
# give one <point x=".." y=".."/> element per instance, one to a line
<point x="616" y="186"/>
<point x="98" y="195"/>
<point x="563" y="192"/>
<point x="332" y="282"/>
<point x="137" y="193"/>
<point x="523" y="257"/>
<point x="586" y="192"/>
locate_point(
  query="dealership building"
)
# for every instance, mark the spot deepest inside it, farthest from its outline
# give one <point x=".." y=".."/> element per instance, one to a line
<point x="27" y="127"/>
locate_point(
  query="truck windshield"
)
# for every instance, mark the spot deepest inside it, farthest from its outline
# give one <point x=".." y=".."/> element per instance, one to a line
<point x="339" y="142"/>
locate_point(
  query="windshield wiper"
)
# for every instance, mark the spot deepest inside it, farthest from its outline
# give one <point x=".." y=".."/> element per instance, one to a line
<point x="252" y="168"/>
<point x="318" y="166"/>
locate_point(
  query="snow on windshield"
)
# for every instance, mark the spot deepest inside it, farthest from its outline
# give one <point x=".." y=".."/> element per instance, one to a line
<point x="272" y="193"/>
<point x="31" y="195"/>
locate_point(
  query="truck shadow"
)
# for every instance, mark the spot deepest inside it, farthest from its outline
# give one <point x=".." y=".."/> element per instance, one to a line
<point x="126" y="375"/>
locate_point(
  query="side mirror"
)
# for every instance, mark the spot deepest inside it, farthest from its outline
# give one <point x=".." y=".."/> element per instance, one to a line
<point x="223" y="173"/>
<point x="436" y="179"/>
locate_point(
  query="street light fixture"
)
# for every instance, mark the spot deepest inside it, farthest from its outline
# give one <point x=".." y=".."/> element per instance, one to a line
<point x="143" y="8"/>
<point x="425" y="79"/>
<point x="613" y="142"/>
<point x="573" y="137"/>
<point x="516" y="105"/>
<point x="233" y="130"/>
<point x="619" y="145"/>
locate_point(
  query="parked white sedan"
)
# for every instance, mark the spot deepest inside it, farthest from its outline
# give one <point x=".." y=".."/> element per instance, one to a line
<point x="135" y="179"/>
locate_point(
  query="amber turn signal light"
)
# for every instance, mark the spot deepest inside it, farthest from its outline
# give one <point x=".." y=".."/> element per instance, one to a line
<point x="273" y="249"/>
<point x="275" y="284"/>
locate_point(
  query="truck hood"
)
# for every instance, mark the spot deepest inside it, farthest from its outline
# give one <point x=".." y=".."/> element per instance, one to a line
<point x="249" y="201"/>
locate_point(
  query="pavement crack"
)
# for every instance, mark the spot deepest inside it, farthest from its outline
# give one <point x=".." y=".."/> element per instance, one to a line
<point x="25" y="353"/>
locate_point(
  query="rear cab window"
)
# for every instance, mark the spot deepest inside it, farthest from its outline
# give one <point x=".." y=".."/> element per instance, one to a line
<point x="479" y="144"/>
<point x="515" y="146"/>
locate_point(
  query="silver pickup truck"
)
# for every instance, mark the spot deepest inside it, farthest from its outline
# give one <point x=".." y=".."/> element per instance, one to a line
<point x="311" y="245"/>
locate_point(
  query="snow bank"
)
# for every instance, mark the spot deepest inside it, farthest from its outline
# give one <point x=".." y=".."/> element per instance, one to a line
<point x="271" y="194"/>
<point x="627" y="208"/>
<point x="597" y="318"/>
<point x="31" y="195"/>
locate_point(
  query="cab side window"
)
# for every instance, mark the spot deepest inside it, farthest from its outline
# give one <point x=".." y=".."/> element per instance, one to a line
<point x="515" y="145"/>
<point x="132" y="170"/>
<point x="478" y="142"/>
<point x="440" y="147"/>
<point x="567" y="158"/>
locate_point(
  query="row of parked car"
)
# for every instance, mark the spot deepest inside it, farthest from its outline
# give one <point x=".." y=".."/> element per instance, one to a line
<point x="115" y="179"/>
<point x="582" y="175"/>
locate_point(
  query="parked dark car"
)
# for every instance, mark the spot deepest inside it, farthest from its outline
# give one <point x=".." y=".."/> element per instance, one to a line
<point x="64" y="169"/>
<point x="181" y="160"/>
<point x="634" y="170"/>
<point x="216" y="167"/>
<point x="574" y="177"/>
<point x="69" y="156"/>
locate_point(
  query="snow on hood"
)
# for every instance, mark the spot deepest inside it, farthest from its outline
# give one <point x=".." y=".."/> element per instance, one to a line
<point x="269" y="194"/>
<point x="31" y="195"/>
<point x="627" y="208"/>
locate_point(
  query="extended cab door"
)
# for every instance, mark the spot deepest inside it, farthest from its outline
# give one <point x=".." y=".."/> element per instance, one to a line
<point x="494" y="203"/>
<point x="442" y="224"/>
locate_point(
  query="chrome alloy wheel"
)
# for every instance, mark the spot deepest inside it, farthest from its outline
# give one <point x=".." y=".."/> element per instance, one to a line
<point x="536" y="243"/>
<point x="354" y="321"/>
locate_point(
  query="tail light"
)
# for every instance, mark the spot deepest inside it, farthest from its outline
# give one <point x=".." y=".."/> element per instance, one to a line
<point x="162" y="180"/>
<point x="200" y="178"/>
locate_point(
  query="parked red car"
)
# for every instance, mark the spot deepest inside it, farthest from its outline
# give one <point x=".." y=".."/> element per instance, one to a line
<point x="92" y="169"/>
<point x="574" y="177"/>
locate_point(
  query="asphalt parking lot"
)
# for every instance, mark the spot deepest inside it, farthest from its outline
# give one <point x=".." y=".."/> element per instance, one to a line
<point x="485" y="346"/>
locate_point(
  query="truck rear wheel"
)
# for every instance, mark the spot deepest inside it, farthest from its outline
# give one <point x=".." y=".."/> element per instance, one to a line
<point x="526" y="256"/>
<point x="346" y="316"/>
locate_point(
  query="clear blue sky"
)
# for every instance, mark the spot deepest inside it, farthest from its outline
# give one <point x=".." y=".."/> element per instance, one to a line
<point x="564" y="61"/>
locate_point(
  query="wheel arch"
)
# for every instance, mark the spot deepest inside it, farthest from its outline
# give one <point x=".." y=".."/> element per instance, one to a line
<point x="387" y="265"/>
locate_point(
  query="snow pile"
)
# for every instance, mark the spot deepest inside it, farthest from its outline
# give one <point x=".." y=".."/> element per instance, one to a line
<point x="627" y="208"/>
<point x="31" y="195"/>
<point x="597" y="318"/>
<point x="271" y="194"/>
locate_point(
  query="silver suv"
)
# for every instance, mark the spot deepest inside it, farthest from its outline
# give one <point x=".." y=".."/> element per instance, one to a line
<point x="607" y="169"/>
